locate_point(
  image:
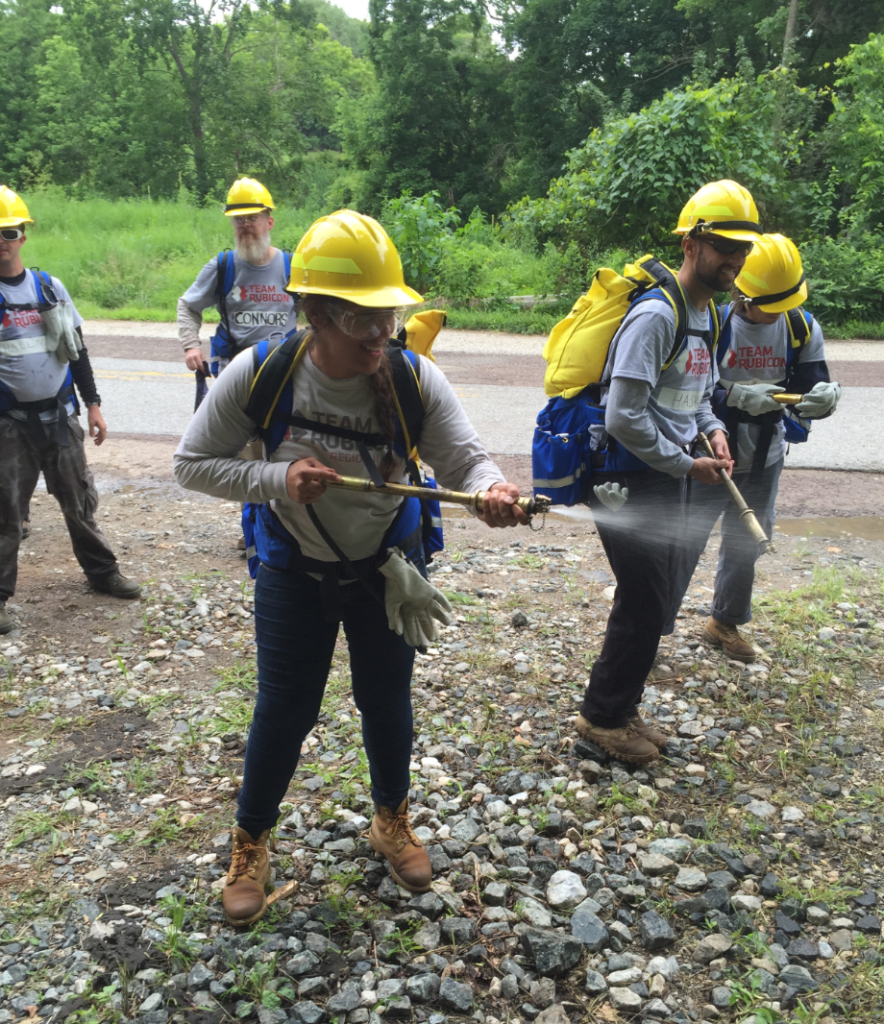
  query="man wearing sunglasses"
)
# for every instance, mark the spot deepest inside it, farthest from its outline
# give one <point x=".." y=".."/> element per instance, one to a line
<point x="247" y="286"/>
<point x="658" y="397"/>
<point x="41" y="358"/>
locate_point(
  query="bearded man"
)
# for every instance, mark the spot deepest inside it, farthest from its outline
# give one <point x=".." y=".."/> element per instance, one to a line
<point x="246" y="286"/>
<point x="658" y="397"/>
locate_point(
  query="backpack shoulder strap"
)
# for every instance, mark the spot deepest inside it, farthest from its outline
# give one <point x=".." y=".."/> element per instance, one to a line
<point x="287" y="264"/>
<point x="274" y="363"/>
<point x="43" y="284"/>
<point x="223" y="284"/>
<point x="405" y="371"/>
<point x="668" y="288"/>
<point x="798" y="321"/>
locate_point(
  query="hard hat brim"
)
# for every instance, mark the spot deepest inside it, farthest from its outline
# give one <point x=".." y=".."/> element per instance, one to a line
<point x="372" y="298"/>
<point x="785" y="304"/>
<point x="14" y="222"/>
<point x="246" y="211"/>
<point x="737" y="234"/>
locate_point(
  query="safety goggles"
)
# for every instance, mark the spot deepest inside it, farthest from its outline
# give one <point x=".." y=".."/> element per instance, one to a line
<point x="726" y="246"/>
<point x="11" y="234"/>
<point x="248" y="218"/>
<point x="366" y="325"/>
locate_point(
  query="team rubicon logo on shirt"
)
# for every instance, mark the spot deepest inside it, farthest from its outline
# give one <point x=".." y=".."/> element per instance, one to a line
<point x="259" y="294"/>
<point x="21" y="319"/>
<point x="269" y="307"/>
<point x="755" y="357"/>
<point x="694" y="361"/>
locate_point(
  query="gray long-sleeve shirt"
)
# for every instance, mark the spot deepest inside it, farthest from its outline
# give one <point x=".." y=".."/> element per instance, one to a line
<point x="652" y="411"/>
<point x="206" y="458"/>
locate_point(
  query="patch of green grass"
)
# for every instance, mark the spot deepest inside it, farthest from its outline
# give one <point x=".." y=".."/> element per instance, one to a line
<point x="31" y="825"/>
<point x="132" y="259"/>
<point x="141" y="776"/>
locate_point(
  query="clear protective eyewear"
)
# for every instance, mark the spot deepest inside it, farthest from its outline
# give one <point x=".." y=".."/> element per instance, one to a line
<point x="11" y="234"/>
<point x="366" y="325"/>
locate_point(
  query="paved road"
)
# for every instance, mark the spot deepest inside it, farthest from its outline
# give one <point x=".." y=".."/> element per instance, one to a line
<point x="146" y="390"/>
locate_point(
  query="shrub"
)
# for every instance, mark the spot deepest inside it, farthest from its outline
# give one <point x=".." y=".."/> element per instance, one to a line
<point x="843" y="280"/>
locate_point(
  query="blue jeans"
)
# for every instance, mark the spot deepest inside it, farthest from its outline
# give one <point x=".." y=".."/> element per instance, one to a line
<point x="295" y="648"/>
<point x="732" y="603"/>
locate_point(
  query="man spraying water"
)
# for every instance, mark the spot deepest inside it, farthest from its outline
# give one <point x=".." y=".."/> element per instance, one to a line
<point x="654" y="404"/>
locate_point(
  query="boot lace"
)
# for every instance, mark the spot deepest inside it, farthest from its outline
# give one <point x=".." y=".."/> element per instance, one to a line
<point x="244" y="859"/>
<point x="401" y="830"/>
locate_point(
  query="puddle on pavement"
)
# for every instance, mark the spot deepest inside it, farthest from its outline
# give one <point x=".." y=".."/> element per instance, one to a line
<point x="866" y="527"/>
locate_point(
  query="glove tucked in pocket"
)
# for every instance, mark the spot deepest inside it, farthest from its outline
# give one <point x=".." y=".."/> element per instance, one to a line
<point x="414" y="606"/>
<point x="64" y="339"/>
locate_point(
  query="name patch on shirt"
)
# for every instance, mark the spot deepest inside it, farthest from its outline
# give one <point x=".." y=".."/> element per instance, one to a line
<point x="679" y="400"/>
<point x="254" y="318"/>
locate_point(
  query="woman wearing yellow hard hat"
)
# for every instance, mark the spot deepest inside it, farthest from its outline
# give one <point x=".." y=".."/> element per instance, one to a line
<point x="773" y="381"/>
<point x="336" y="398"/>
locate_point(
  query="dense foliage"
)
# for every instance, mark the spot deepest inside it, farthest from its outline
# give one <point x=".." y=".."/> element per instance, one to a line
<point x="509" y="145"/>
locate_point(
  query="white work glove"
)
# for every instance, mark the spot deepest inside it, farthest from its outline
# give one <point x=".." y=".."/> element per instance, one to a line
<point x="754" y="399"/>
<point x="612" y="496"/>
<point x="414" y="606"/>
<point x="60" y="331"/>
<point x="820" y="400"/>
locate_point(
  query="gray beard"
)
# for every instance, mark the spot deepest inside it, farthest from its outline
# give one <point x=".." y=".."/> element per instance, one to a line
<point x="255" y="252"/>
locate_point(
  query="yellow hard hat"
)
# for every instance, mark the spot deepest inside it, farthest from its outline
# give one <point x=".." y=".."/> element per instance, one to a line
<point x="772" y="277"/>
<point x="247" y="196"/>
<point x="350" y="256"/>
<point x="12" y="209"/>
<point x="722" y="207"/>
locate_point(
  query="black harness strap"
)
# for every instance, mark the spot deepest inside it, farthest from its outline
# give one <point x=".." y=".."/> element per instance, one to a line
<point x="372" y="440"/>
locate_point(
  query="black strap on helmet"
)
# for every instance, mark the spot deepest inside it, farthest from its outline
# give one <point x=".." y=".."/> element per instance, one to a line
<point x="245" y="206"/>
<point x="705" y="227"/>
<point x="769" y="300"/>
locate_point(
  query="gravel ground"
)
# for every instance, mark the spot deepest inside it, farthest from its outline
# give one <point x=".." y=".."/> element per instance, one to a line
<point x="738" y="879"/>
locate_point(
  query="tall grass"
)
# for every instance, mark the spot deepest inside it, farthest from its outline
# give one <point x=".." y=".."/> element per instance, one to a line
<point x="132" y="259"/>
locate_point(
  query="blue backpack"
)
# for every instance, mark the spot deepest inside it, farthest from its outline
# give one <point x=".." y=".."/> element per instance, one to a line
<point x="417" y="527"/>
<point x="222" y="344"/>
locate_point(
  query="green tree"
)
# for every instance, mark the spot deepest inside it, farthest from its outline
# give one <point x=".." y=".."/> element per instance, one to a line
<point x="629" y="180"/>
<point x="439" y="118"/>
<point x="856" y="137"/>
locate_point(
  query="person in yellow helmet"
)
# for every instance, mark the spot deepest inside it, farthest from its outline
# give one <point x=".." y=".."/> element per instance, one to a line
<point x="330" y="556"/>
<point x="769" y="345"/>
<point x="42" y="357"/>
<point x="247" y="286"/>
<point x="657" y="395"/>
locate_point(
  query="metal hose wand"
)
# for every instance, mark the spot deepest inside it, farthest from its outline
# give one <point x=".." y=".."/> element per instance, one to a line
<point x="539" y="505"/>
<point x="746" y="513"/>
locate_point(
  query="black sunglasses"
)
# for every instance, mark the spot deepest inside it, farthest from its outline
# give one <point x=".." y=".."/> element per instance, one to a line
<point x="726" y="246"/>
<point x="11" y="234"/>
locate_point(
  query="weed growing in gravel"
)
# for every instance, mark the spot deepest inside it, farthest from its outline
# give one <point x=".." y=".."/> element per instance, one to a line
<point x="175" y="944"/>
<point x="141" y="776"/>
<point x="31" y="825"/>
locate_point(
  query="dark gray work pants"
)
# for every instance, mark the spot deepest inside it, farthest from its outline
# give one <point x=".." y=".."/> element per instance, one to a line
<point x="68" y="479"/>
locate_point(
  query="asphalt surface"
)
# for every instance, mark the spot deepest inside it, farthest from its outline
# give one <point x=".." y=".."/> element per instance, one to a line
<point x="146" y="390"/>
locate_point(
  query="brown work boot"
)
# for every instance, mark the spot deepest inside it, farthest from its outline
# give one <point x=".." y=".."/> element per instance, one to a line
<point x="392" y="835"/>
<point x="624" y="744"/>
<point x="729" y="640"/>
<point x="649" y="732"/>
<point x="243" y="896"/>
<point x="7" y="623"/>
